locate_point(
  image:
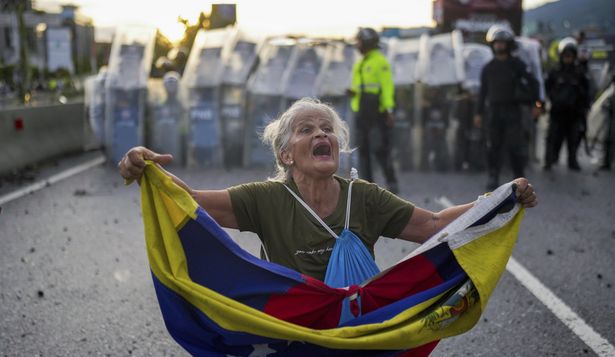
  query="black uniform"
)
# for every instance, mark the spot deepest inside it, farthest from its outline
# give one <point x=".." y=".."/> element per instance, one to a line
<point x="501" y="95"/>
<point x="568" y="91"/>
<point x="373" y="133"/>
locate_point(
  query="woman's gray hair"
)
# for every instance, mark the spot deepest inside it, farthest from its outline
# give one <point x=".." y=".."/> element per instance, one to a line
<point x="278" y="132"/>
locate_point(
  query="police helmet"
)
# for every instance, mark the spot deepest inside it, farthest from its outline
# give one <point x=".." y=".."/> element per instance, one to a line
<point x="170" y="82"/>
<point x="499" y="33"/>
<point x="567" y="44"/>
<point x="368" y="37"/>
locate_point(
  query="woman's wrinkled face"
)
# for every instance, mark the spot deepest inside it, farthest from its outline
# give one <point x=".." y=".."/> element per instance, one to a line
<point x="313" y="148"/>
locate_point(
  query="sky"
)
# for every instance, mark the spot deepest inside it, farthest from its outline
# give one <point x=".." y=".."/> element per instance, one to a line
<point x="264" y="17"/>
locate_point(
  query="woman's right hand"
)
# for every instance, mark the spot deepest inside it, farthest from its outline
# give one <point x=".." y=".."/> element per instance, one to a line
<point x="133" y="163"/>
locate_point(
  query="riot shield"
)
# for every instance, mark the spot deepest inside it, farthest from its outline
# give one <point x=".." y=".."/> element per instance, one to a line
<point x="201" y="95"/>
<point x="126" y="89"/>
<point x="303" y="70"/>
<point x="440" y="72"/>
<point x="167" y="125"/>
<point x="529" y="51"/>
<point x="403" y="56"/>
<point x="265" y="98"/>
<point x="94" y="98"/>
<point x="441" y="59"/>
<point x="238" y="67"/>
<point x="470" y="143"/>
<point x="334" y="80"/>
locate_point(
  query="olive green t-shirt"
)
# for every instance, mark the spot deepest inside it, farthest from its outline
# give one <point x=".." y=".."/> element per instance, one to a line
<point x="292" y="237"/>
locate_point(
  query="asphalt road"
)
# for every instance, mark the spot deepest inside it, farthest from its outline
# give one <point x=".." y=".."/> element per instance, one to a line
<point x="75" y="279"/>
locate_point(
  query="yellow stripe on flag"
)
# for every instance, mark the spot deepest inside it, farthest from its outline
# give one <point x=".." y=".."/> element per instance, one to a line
<point x="485" y="258"/>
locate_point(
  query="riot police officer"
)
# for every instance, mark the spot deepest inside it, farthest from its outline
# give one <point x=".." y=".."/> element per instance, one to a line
<point x="505" y="86"/>
<point x="568" y="91"/>
<point x="372" y="92"/>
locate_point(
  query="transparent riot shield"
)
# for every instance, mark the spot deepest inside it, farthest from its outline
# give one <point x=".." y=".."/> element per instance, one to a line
<point x="468" y="153"/>
<point x="265" y="98"/>
<point x="403" y="55"/>
<point x="241" y="61"/>
<point x="529" y="51"/>
<point x="440" y="71"/>
<point x="334" y="80"/>
<point x="601" y="124"/>
<point x="435" y="122"/>
<point x="335" y="77"/>
<point x="201" y="95"/>
<point x="475" y="57"/>
<point x="441" y="59"/>
<point x="126" y="89"/>
<point x="167" y="127"/>
<point x="95" y="96"/>
<point x="303" y="70"/>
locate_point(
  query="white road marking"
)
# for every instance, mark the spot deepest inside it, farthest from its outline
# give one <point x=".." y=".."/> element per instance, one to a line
<point x="593" y="339"/>
<point x="574" y="322"/>
<point x="51" y="180"/>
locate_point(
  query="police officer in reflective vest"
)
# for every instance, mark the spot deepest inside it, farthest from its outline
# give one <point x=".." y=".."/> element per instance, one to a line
<point x="372" y="102"/>
<point x="505" y="86"/>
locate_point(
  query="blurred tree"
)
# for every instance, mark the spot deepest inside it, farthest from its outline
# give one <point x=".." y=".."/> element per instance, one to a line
<point x="182" y="52"/>
<point x="161" y="48"/>
<point x="224" y="16"/>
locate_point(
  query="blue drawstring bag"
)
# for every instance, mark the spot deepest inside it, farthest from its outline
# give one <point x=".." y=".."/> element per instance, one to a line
<point x="350" y="262"/>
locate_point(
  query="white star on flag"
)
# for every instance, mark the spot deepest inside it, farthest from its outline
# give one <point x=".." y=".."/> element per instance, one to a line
<point x="261" y="350"/>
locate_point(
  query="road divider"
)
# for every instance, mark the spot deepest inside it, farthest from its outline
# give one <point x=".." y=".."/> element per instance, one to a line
<point x="32" y="134"/>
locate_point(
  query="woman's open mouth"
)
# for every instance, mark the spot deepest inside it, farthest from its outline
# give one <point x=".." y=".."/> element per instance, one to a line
<point x="322" y="151"/>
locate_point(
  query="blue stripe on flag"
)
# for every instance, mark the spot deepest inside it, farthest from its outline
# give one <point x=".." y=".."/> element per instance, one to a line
<point x="443" y="260"/>
<point x="206" y="245"/>
<point x="197" y="333"/>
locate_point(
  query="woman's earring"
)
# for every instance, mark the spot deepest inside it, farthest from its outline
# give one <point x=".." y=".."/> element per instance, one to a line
<point x="290" y="163"/>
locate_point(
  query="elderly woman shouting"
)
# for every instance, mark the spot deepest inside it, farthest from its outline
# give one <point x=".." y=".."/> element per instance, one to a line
<point x="298" y="213"/>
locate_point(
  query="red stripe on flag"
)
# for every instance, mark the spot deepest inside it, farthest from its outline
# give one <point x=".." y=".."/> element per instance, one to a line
<point x="312" y="304"/>
<point x="405" y="279"/>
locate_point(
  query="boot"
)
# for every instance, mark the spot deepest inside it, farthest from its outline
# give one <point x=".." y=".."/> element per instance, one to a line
<point x="574" y="166"/>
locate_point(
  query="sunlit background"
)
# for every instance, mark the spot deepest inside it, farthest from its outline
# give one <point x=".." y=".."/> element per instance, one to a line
<point x="265" y="17"/>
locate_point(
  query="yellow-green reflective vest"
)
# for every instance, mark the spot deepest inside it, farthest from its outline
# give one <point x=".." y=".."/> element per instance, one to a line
<point x="372" y="74"/>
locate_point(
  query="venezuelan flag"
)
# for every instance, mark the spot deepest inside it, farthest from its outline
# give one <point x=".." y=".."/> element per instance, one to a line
<point x="218" y="300"/>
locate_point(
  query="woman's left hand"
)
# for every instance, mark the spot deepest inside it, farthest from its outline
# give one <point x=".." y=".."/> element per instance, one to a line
<point x="525" y="192"/>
